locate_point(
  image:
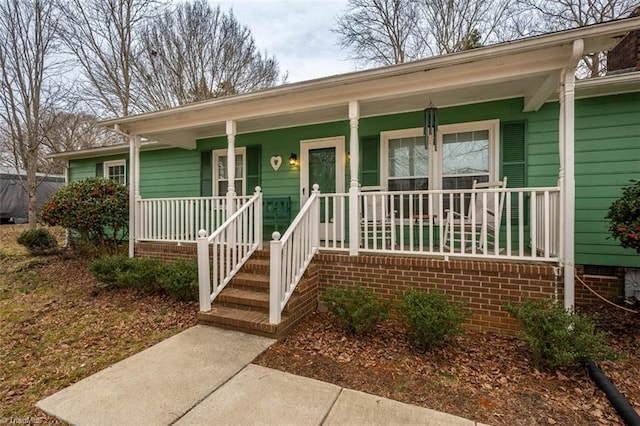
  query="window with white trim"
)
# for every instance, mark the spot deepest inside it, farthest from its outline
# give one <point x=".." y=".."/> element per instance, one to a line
<point x="116" y="170"/>
<point x="465" y="152"/>
<point x="221" y="172"/>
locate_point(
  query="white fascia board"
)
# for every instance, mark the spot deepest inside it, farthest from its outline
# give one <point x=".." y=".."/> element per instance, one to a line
<point x="104" y="151"/>
<point x="597" y="37"/>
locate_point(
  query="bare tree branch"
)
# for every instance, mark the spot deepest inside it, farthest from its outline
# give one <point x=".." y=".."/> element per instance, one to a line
<point x="197" y="52"/>
<point x="28" y="87"/>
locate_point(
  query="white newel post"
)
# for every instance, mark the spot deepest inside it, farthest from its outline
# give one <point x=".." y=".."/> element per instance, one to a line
<point x="315" y="230"/>
<point x="275" y="278"/>
<point x="354" y="151"/>
<point x="204" y="278"/>
<point x="257" y="218"/>
<point x="567" y="125"/>
<point x="231" y="167"/>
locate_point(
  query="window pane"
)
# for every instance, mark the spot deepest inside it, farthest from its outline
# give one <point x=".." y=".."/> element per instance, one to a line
<point x="408" y="157"/>
<point x="222" y="167"/>
<point x="117" y="173"/>
<point x="465" y="153"/>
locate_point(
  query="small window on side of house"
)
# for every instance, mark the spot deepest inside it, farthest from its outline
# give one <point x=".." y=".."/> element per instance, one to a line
<point x="116" y="170"/>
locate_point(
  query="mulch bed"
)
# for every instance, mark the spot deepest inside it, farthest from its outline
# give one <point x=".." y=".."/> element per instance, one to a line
<point x="480" y="376"/>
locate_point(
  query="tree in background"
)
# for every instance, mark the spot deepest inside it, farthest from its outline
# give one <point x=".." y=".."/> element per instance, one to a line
<point x="449" y="26"/>
<point x="196" y="52"/>
<point x="29" y="85"/>
<point x="103" y="37"/>
<point x="385" y="32"/>
<point x="69" y="131"/>
<point x="380" y="32"/>
<point x="554" y="15"/>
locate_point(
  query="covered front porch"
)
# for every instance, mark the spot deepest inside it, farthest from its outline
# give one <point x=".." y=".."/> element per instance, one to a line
<point x="399" y="216"/>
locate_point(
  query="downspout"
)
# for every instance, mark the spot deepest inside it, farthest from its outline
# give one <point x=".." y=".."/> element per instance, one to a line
<point x="567" y="170"/>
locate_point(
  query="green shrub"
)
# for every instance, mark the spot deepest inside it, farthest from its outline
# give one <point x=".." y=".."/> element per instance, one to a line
<point x="96" y="209"/>
<point x="180" y="280"/>
<point x="37" y="240"/>
<point x="624" y="217"/>
<point x="559" y="337"/>
<point x="122" y="271"/>
<point x="430" y="318"/>
<point x="358" y="309"/>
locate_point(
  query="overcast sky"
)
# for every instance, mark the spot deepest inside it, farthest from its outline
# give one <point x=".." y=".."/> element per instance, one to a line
<point x="297" y="32"/>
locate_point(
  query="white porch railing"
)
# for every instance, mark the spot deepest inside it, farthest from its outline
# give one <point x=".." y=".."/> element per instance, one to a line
<point x="415" y="222"/>
<point x="291" y="254"/>
<point x="221" y="255"/>
<point x="180" y="219"/>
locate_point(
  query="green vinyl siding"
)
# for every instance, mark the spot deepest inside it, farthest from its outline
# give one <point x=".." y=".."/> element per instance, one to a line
<point x="607" y="140"/>
<point x="171" y="172"/>
<point x="93" y="167"/>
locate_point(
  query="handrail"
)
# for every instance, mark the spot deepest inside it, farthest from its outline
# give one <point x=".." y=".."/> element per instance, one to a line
<point x="415" y="222"/>
<point x="179" y="219"/>
<point x="228" y="247"/>
<point x="291" y="254"/>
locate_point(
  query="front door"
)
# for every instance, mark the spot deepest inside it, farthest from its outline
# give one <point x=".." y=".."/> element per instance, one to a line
<point x="322" y="163"/>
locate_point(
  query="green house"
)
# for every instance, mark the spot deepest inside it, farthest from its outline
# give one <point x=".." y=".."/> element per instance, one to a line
<point x="410" y="161"/>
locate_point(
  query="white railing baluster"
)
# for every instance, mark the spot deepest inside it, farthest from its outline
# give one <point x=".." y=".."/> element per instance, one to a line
<point x="232" y="243"/>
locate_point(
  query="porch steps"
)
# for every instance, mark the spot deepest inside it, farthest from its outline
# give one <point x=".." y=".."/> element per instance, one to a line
<point x="244" y="303"/>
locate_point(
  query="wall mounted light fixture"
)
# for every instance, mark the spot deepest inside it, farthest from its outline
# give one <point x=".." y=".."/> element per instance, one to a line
<point x="293" y="159"/>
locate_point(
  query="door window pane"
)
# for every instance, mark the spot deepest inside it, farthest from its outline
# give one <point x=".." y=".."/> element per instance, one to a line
<point x="322" y="170"/>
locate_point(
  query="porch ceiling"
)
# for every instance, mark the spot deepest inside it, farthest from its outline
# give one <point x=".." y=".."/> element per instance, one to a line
<point x="527" y="68"/>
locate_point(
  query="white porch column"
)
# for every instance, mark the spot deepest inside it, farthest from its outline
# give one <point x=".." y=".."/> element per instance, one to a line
<point x="567" y="172"/>
<point x="134" y="191"/>
<point x="354" y="187"/>
<point x="231" y="167"/>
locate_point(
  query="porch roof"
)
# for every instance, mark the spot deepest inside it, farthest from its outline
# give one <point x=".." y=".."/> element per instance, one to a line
<point x="528" y="68"/>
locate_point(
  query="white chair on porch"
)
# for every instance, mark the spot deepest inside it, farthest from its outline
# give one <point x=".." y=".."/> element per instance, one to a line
<point x="461" y="227"/>
<point x="376" y="222"/>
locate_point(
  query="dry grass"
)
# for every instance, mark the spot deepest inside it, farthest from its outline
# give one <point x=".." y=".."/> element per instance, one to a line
<point x="57" y="327"/>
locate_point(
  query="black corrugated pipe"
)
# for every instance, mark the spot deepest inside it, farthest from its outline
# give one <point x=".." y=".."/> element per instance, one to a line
<point x="617" y="400"/>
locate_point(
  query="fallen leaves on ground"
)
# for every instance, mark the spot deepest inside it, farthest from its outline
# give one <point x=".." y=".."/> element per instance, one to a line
<point x="58" y="327"/>
<point x="481" y="376"/>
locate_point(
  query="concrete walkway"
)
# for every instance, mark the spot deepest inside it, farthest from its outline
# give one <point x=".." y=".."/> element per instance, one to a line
<point x="203" y="376"/>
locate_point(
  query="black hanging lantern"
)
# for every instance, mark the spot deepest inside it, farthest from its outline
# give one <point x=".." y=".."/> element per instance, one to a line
<point x="430" y="125"/>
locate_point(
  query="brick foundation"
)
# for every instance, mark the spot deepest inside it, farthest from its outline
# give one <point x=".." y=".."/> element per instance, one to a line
<point x="484" y="286"/>
<point x="609" y="287"/>
<point x="166" y="252"/>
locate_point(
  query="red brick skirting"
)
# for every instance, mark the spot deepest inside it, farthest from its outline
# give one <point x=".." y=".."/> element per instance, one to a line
<point x="166" y="252"/>
<point x="484" y="286"/>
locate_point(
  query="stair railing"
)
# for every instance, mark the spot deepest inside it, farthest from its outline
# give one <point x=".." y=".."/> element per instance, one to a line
<point x="222" y="254"/>
<point x="291" y="254"/>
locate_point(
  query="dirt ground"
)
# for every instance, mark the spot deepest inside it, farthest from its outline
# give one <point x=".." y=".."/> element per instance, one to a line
<point x="480" y="376"/>
<point x="57" y="327"/>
